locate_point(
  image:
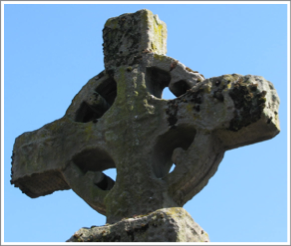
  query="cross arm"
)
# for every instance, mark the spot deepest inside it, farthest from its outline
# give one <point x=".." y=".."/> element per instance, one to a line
<point x="224" y="112"/>
<point x="41" y="155"/>
<point x="239" y="110"/>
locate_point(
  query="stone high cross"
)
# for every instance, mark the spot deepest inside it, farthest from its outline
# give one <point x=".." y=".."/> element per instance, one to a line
<point x="119" y="120"/>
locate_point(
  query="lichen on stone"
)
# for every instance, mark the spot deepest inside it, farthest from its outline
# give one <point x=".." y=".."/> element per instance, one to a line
<point x="249" y="104"/>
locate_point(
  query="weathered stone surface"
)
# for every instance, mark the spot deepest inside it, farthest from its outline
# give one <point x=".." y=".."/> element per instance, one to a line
<point x="120" y="120"/>
<point x="219" y="113"/>
<point x="163" y="225"/>
<point x="129" y="35"/>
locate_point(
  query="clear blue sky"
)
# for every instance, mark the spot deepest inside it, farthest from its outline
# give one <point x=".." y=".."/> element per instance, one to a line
<point x="51" y="51"/>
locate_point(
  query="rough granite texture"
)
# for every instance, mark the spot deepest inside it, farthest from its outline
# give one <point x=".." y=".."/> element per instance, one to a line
<point x="128" y="36"/>
<point x="162" y="225"/>
<point x="119" y="119"/>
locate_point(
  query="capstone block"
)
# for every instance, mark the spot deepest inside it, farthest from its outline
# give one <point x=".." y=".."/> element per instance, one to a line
<point x="130" y="35"/>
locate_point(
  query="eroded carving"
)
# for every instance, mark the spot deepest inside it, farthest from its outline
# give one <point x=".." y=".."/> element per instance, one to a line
<point x="118" y="120"/>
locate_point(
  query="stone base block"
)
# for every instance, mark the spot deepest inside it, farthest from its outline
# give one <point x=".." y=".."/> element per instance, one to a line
<point x="163" y="225"/>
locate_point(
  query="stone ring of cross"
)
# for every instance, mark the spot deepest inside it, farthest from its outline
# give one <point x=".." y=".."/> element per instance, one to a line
<point x="119" y="120"/>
